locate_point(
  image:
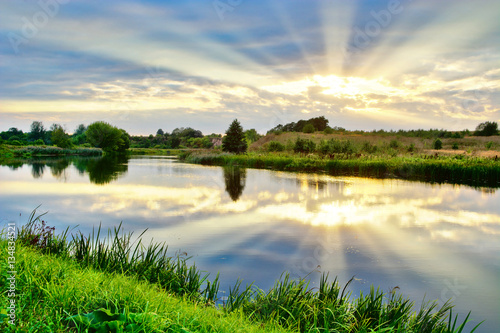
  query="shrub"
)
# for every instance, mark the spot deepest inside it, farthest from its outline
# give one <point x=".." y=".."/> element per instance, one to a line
<point x="437" y="144"/>
<point x="304" y="146"/>
<point x="39" y="142"/>
<point x="309" y="128"/>
<point x="275" y="146"/>
<point x="16" y="143"/>
<point x="369" y="148"/>
<point x="489" y="145"/>
<point x="394" y="144"/>
<point x="328" y="130"/>
<point x="411" y="148"/>
<point x="454" y="146"/>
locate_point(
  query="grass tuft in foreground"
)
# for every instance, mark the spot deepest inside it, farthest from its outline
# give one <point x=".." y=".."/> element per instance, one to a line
<point x="113" y="283"/>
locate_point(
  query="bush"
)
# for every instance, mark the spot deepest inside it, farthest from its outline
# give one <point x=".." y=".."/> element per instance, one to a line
<point x="275" y="146"/>
<point x="394" y="144"/>
<point x="369" y="148"/>
<point x="304" y="146"/>
<point x="309" y="128"/>
<point x="16" y="143"/>
<point x="437" y="144"/>
<point x="411" y="148"/>
<point x="454" y="146"/>
<point x="489" y="145"/>
<point x="39" y="142"/>
<point x="328" y="130"/>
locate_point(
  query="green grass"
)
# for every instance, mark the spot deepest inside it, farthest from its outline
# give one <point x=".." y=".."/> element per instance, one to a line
<point x="441" y="169"/>
<point x="30" y="151"/>
<point x="104" y="283"/>
<point x="56" y="294"/>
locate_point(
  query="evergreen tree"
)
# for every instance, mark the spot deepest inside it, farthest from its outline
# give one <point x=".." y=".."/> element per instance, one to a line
<point x="234" y="141"/>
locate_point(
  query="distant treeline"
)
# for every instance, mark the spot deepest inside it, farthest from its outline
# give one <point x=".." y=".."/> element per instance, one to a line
<point x="321" y="124"/>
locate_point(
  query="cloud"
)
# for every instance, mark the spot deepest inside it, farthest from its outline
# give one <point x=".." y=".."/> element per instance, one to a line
<point x="264" y="63"/>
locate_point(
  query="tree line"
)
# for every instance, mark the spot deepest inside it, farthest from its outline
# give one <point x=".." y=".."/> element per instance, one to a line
<point x="98" y="134"/>
<point x="112" y="139"/>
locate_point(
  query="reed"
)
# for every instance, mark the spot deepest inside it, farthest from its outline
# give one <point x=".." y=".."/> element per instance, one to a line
<point x="439" y="169"/>
<point x="56" y="151"/>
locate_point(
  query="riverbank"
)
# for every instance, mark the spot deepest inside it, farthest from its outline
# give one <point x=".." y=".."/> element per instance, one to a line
<point x="103" y="282"/>
<point x="457" y="169"/>
<point x="42" y="151"/>
<point x="54" y="294"/>
<point x="155" y="151"/>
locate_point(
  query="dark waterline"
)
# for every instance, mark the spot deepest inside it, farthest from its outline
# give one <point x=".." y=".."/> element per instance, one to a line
<point x="440" y="241"/>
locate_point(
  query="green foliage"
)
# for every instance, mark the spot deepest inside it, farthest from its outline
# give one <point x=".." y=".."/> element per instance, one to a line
<point x="437" y="144"/>
<point x="489" y="145"/>
<point x="335" y="146"/>
<point x="411" y="148"/>
<point x="454" y="146"/>
<point x="109" y="138"/>
<point x="319" y="124"/>
<point x="275" y="146"/>
<point x="15" y="143"/>
<point x="59" y="137"/>
<point x="369" y="148"/>
<point x="328" y="130"/>
<point x="234" y="141"/>
<point x="455" y="170"/>
<point x="252" y="135"/>
<point x="37" y="131"/>
<point x="309" y="128"/>
<point x="394" y="144"/>
<point x="488" y="128"/>
<point x="304" y="146"/>
<point x="39" y="142"/>
<point x="104" y="321"/>
<point x="57" y="295"/>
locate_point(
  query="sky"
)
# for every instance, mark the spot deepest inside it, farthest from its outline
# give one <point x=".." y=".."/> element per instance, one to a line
<point x="145" y="65"/>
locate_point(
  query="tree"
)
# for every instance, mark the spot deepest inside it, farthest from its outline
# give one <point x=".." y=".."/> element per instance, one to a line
<point x="252" y="135"/>
<point x="160" y="132"/>
<point x="486" y="129"/>
<point x="109" y="138"/>
<point x="79" y="137"/>
<point x="37" y="131"/>
<point x="437" y="144"/>
<point x="81" y="129"/>
<point x="309" y="128"/>
<point x="59" y="137"/>
<point x="234" y="141"/>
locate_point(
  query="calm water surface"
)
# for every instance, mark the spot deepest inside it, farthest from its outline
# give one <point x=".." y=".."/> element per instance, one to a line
<point x="432" y="241"/>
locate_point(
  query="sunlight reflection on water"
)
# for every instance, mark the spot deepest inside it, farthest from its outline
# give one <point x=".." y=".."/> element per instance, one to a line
<point x="441" y="241"/>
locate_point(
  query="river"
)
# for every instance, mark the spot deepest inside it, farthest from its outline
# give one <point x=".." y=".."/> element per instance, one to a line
<point x="432" y="241"/>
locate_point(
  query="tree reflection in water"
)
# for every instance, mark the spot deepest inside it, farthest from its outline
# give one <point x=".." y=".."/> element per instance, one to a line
<point x="102" y="170"/>
<point x="235" y="178"/>
<point x="106" y="169"/>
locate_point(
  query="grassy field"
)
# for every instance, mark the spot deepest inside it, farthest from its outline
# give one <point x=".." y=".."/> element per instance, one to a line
<point x="470" y="145"/>
<point x="93" y="283"/>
